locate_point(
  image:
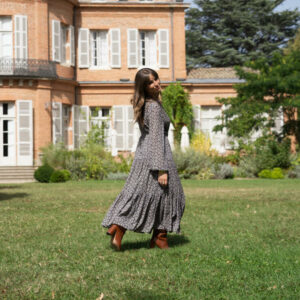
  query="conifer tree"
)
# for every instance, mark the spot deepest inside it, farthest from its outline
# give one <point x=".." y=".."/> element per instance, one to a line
<point x="222" y="33"/>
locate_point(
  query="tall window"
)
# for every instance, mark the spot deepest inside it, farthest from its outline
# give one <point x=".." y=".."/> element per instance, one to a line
<point x="147" y="49"/>
<point x="63" y="43"/>
<point x="64" y="38"/>
<point x="100" y="117"/>
<point x="5" y="37"/>
<point x="66" y="123"/>
<point x="99" y="49"/>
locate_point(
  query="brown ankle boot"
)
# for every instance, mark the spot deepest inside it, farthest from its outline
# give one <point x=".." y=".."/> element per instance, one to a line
<point x="111" y="229"/>
<point x="117" y="232"/>
<point x="159" y="238"/>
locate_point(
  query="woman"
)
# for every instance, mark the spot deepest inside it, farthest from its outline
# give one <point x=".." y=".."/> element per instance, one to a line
<point x="152" y="197"/>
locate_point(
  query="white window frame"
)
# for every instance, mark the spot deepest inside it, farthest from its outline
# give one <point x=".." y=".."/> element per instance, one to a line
<point x="218" y="139"/>
<point x="157" y="57"/>
<point x="66" y="109"/>
<point x="56" y="48"/>
<point x="148" y="52"/>
<point x="8" y="31"/>
<point x="64" y="45"/>
<point x="100" y="119"/>
<point x="100" y="56"/>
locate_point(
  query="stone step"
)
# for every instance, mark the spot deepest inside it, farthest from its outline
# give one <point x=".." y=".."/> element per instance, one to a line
<point x="16" y="174"/>
<point x="10" y="173"/>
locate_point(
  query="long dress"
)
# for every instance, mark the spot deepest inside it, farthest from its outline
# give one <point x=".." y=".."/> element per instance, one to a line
<point x="144" y="204"/>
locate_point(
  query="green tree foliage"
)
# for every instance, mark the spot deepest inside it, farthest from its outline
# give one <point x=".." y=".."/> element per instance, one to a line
<point x="223" y="33"/>
<point x="268" y="88"/>
<point x="293" y="45"/>
<point x="179" y="109"/>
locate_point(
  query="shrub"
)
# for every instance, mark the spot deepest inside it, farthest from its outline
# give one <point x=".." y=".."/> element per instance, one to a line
<point x="204" y="174"/>
<point x="55" y="156"/>
<point x="43" y="173"/>
<point x="295" y="159"/>
<point x="223" y="171"/>
<point x="200" y="142"/>
<point x="76" y="165"/>
<point x="295" y="172"/>
<point x="117" y="176"/>
<point x="191" y="163"/>
<point x="275" y="173"/>
<point x="264" y="174"/>
<point x="125" y="165"/>
<point x="67" y="174"/>
<point x="177" y="105"/>
<point x="248" y="167"/>
<point x="270" y="153"/>
<point x="58" y="176"/>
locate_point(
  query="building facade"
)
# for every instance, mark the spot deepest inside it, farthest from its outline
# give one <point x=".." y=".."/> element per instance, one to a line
<point x="66" y="65"/>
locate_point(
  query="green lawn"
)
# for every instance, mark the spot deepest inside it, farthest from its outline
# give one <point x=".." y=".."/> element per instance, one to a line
<point x="240" y="240"/>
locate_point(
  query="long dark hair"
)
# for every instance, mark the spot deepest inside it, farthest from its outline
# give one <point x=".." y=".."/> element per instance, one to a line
<point x="142" y="79"/>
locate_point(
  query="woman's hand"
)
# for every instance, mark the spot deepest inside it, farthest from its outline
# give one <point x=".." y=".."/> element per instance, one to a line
<point x="163" y="178"/>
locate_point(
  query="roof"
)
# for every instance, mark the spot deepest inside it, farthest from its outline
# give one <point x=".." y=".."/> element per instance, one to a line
<point x="212" y="73"/>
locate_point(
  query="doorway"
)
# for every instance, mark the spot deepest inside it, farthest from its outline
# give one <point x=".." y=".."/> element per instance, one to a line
<point x="7" y="134"/>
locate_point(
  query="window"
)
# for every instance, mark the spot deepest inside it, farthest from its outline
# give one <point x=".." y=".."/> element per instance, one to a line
<point x="100" y="117"/>
<point x="99" y="49"/>
<point x="147" y="49"/>
<point x="5" y="37"/>
<point x="66" y="123"/>
<point x="63" y="44"/>
<point x="208" y="121"/>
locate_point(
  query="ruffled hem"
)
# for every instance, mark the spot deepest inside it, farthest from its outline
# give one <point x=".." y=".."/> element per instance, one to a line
<point x="143" y="204"/>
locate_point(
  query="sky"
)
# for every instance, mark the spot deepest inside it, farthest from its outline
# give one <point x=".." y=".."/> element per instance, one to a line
<point x="287" y="4"/>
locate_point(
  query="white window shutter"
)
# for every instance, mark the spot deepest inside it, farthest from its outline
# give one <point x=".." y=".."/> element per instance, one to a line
<point x="75" y="125"/>
<point x="104" y="49"/>
<point x="57" y="123"/>
<point x="25" y="132"/>
<point x="129" y="126"/>
<point x="72" y="45"/>
<point x="119" y="124"/>
<point x="56" y="40"/>
<point x="84" y="118"/>
<point x="163" y="42"/>
<point x="115" y="48"/>
<point x="152" y="50"/>
<point x="196" y="111"/>
<point x="21" y="37"/>
<point x="132" y="48"/>
<point x="84" y="51"/>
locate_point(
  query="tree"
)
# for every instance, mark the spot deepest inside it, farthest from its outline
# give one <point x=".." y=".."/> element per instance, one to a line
<point x="224" y="33"/>
<point x="268" y="89"/>
<point x="294" y="44"/>
<point x="179" y="109"/>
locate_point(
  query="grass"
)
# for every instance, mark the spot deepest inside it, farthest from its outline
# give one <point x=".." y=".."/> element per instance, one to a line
<point x="240" y="240"/>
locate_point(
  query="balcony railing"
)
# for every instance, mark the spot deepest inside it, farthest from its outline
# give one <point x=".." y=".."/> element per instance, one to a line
<point x="27" y="68"/>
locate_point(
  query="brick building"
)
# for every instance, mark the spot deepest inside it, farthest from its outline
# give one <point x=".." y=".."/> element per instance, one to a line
<point x="65" y="64"/>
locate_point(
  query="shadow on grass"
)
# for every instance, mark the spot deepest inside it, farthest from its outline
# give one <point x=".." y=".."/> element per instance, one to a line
<point x="173" y="241"/>
<point x="4" y="187"/>
<point x="4" y="197"/>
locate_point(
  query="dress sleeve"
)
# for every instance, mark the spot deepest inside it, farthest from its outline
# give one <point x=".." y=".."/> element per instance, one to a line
<point x="157" y="155"/>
